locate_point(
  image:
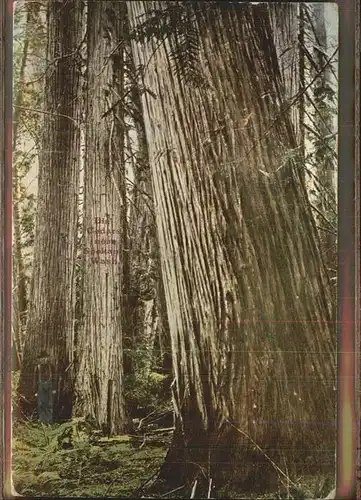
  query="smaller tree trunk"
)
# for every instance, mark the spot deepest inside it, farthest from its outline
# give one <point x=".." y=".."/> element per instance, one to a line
<point x="324" y="152"/>
<point x="286" y="31"/>
<point x="99" y="389"/>
<point x="302" y="81"/>
<point x="50" y="322"/>
<point x="20" y="291"/>
<point x="147" y="327"/>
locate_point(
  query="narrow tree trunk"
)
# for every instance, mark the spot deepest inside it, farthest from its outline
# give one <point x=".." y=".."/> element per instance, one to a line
<point x="247" y="295"/>
<point x="302" y="81"/>
<point x="50" y="320"/>
<point x="100" y="352"/>
<point x="142" y="307"/>
<point x="285" y="32"/>
<point x="19" y="307"/>
<point x="19" y="304"/>
<point x="147" y="323"/>
<point x="324" y="161"/>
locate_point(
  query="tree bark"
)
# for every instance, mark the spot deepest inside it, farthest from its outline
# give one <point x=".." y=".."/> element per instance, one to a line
<point x="286" y="31"/>
<point x="247" y="295"/>
<point x="324" y="161"/>
<point x="100" y="378"/>
<point x="147" y="322"/>
<point x="302" y="81"/>
<point x="50" y="321"/>
<point x="19" y="276"/>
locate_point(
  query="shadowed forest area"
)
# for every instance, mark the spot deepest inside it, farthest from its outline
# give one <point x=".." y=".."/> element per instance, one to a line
<point x="174" y="249"/>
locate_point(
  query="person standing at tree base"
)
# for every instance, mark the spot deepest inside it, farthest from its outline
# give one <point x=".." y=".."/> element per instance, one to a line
<point x="44" y="379"/>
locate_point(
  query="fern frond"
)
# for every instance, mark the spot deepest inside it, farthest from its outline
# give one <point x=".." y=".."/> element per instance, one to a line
<point x="177" y="23"/>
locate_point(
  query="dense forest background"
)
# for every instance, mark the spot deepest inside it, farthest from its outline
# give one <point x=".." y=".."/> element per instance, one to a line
<point x="174" y="248"/>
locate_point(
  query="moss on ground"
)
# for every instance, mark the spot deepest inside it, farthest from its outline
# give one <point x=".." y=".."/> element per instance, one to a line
<point x="67" y="460"/>
<point x="74" y="460"/>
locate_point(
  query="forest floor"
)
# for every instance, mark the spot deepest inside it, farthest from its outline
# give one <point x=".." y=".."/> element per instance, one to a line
<point x="66" y="460"/>
<point x="72" y="460"/>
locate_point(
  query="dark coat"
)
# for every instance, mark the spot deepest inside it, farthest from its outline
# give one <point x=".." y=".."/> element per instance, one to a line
<point x="45" y="387"/>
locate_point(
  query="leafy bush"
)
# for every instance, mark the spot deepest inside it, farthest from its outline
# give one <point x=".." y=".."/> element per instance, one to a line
<point x="145" y="392"/>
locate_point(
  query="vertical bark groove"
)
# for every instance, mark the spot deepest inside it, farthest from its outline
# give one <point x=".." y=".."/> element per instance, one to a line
<point x="100" y="377"/>
<point x="239" y="249"/>
<point x="50" y="320"/>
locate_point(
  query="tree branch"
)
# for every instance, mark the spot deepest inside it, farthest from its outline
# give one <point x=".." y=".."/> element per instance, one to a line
<point x="322" y="139"/>
<point x="323" y="217"/>
<point x="297" y="96"/>
<point x="41" y="111"/>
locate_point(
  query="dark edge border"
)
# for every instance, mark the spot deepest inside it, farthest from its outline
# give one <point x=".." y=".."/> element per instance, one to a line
<point x="346" y="355"/>
<point x="348" y="219"/>
<point x="358" y="246"/>
<point x="2" y="168"/>
<point x="6" y="230"/>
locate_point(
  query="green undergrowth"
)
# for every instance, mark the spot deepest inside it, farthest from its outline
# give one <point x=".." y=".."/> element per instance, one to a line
<point x="75" y="460"/>
<point x="71" y="460"/>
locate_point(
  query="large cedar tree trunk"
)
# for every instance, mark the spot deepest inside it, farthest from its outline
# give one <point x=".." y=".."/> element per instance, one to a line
<point x="247" y="295"/>
<point x="100" y="350"/>
<point x="50" y="320"/>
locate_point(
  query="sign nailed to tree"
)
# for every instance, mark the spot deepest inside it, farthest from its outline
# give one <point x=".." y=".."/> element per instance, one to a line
<point x="105" y="246"/>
